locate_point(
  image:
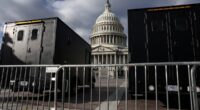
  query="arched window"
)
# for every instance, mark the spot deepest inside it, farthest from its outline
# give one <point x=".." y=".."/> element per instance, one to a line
<point x="20" y="35"/>
<point x="34" y="34"/>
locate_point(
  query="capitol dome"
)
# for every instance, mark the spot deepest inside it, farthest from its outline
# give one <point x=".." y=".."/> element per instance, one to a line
<point x="108" y="30"/>
<point x="108" y="41"/>
<point x="107" y="16"/>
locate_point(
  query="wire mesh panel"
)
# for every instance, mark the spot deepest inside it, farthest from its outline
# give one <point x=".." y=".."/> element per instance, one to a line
<point x="151" y="86"/>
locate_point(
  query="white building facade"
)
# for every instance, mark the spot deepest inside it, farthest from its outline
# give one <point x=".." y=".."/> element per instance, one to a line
<point x="108" y="40"/>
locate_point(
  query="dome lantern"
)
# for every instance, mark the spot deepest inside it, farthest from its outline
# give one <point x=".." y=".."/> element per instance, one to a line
<point x="107" y="6"/>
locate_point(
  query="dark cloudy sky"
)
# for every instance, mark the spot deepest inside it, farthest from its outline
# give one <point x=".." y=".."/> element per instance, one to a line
<point x="80" y="15"/>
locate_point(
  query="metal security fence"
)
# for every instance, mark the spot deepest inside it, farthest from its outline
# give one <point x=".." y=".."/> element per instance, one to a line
<point x="144" y="86"/>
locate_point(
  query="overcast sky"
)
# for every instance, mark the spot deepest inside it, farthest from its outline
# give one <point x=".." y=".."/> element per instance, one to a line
<point x="80" y="15"/>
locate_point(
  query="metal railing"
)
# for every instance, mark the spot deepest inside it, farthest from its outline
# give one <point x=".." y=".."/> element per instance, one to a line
<point x="142" y="86"/>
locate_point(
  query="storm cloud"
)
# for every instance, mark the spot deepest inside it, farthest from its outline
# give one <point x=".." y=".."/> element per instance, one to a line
<point x="80" y="15"/>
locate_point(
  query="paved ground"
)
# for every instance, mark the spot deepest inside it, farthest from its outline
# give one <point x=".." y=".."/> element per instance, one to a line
<point x="106" y="100"/>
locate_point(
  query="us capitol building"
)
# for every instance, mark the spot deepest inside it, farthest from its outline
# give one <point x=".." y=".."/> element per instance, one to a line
<point x="108" y="40"/>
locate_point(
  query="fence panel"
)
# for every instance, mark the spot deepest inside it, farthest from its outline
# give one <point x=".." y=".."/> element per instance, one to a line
<point x="26" y="87"/>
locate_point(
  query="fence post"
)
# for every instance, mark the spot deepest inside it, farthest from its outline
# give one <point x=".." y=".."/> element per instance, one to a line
<point x="126" y="87"/>
<point x="55" y="87"/>
<point x="194" y="91"/>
